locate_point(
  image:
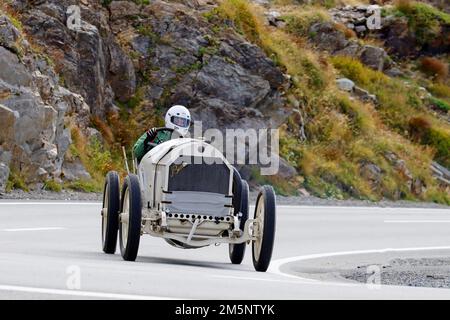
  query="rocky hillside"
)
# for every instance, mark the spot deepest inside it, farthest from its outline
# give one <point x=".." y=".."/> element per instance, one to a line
<point x="361" y="113"/>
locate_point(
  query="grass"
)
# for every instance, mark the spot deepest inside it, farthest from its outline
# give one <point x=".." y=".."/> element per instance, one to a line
<point x="52" y="185"/>
<point x="424" y="20"/>
<point x="440" y="104"/>
<point x="434" y="68"/>
<point x="299" y="20"/>
<point x="16" y="180"/>
<point x="398" y="104"/>
<point x="342" y="133"/>
<point x="95" y="157"/>
<point x="440" y="90"/>
<point x="83" y="186"/>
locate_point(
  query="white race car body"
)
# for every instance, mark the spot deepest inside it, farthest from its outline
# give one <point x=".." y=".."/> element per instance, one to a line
<point x="186" y="187"/>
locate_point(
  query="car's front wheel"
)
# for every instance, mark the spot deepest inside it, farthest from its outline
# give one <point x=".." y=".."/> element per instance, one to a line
<point x="265" y="212"/>
<point x="130" y="218"/>
<point x="110" y="212"/>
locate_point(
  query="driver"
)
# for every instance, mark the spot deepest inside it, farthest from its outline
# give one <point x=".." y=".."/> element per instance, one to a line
<point x="177" y="118"/>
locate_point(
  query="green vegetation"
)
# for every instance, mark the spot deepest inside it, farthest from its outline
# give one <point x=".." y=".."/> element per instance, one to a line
<point x="52" y="185"/>
<point x="424" y="20"/>
<point x="342" y="134"/>
<point x="95" y="157"/>
<point x="398" y="104"/>
<point x="16" y="181"/>
<point x="440" y="104"/>
<point x="84" y="186"/>
<point x="298" y="21"/>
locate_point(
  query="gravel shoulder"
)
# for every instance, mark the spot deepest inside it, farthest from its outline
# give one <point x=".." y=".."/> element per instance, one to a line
<point x="281" y="200"/>
<point x="417" y="269"/>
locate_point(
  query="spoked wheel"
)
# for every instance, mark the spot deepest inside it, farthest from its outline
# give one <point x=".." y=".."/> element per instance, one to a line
<point x="130" y="218"/>
<point x="265" y="211"/>
<point x="237" y="251"/>
<point x="110" y="212"/>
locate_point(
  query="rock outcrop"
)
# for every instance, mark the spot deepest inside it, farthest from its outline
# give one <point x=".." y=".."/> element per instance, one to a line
<point x="88" y="58"/>
<point x="166" y="49"/>
<point x="327" y="37"/>
<point x="33" y="109"/>
<point x="163" y="53"/>
<point x="396" y="31"/>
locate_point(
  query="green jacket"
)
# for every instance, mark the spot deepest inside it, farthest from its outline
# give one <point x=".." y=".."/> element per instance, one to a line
<point x="141" y="147"/>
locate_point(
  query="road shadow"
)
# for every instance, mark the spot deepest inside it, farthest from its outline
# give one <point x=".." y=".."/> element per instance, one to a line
<point x="141" y="260"/>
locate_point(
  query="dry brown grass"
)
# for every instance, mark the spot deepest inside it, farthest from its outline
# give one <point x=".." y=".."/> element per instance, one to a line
<point x="104" y="129"/>
<point x="434" y="68"/>
<point x="418" y="128"/>
<point x="349" y="33"/>
<point x="404" y="5"/>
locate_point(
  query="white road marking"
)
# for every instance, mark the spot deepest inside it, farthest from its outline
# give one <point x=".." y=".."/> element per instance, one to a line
<point x="33" y="229"/>
<point x="50" y="203"/>
<point x="78" y="293"/>
<point x="298" y="280"/>
<point x="416" y="221"/>
<point x="275" y="267"/>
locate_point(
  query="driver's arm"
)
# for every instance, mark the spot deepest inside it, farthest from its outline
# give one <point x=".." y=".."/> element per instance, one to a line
<point x="139" y="147"/>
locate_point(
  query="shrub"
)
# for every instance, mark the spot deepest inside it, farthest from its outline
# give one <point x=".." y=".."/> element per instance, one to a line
<point x="103" y="128"/>
<point x="240" y="12"/>
<point x="404" y="5"/>
<point x="423" y="19"/>
<point x="440" y="104"/>
<point x="298" y="22"/>
<point x="52" y="185"/>
<point x="349" y="33"/>
<point x="16" y="181"/>
<point x="434" y="67"/>
<point x="440" y="140"/>
<point x="440" y="90"/>
<point x="83" y="186"/>
<point x="419" y="128"/>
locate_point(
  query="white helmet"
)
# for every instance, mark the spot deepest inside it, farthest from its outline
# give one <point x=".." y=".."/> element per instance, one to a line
<point x="179" y="119"/>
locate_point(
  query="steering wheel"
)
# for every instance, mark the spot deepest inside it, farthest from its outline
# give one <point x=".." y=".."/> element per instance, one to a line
<point x="157" y="141"/>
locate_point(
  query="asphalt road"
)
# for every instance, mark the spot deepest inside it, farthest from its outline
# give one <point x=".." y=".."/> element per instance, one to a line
<point x="51" y="250"/>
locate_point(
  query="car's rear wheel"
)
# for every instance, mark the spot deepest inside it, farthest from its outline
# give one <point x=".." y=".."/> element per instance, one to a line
<point x="110" y="212"/>
<point x="265" y="212"/>
<point x="237" y="191"/>
<point x="130" y="218"/>
<point x="237" y="251"/>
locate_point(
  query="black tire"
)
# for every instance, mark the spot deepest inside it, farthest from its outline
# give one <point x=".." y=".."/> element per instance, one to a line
<point x="237" y="191"/>
<point x="237" y="251"/>
<point x="129" y="242"/>
<point x="110" y="222"/>
<point x="263" y="255"/>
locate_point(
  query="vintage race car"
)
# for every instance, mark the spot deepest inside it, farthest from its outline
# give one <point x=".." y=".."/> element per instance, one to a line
<point x="186" y="192"/>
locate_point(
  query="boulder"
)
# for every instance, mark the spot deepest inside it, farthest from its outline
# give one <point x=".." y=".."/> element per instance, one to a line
<point x="7" y="133"/>
<point x="13" y="71"/>
<point x="5" y="159"/>
<point x="373" y="57"/>
<point x="326" y="37"/>
<point x="72" y="171"/>
<point x="345" y="84"/>
<point x="364" y="95"/>
<point x="9" y="35"/>
<point x="372" y="173"/>
<point x="394" y="72"/>
<point x="286" y="170"/>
